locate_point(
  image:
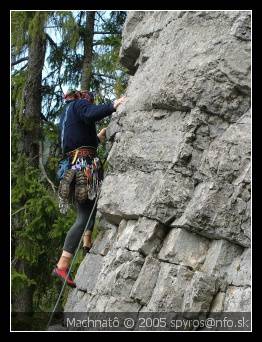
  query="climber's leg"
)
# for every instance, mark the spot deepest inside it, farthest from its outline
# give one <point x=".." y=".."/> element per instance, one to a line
<point x="75" y="233"/>
<point x="64" y="260"/>
<point x="87" y="239"/>
<point x="73" y="237"/>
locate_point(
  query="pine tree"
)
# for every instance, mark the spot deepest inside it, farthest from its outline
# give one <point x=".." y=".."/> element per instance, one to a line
<point x="88" y="37"/>
<point x="30" y="130"/>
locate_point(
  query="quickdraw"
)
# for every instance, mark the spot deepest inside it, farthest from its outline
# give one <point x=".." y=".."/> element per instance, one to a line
<point x="75" y="156"/>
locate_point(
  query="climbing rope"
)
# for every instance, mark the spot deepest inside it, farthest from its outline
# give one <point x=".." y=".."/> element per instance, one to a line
<point x="73" y="260"/>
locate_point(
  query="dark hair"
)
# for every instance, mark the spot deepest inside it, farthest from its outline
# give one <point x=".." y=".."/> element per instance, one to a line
<point x="88" y="95"/>
<point x="80" y="94"/>
<point x="72" y="93"/>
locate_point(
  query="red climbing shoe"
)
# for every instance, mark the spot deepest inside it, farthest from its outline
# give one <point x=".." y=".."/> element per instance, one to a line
<point x="62" y="274"/>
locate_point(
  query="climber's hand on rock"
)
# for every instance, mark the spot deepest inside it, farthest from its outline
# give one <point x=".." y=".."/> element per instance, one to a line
<point x="102" y="135"/>
<point x="119" y="101"/>
<point x="103" y="131"/>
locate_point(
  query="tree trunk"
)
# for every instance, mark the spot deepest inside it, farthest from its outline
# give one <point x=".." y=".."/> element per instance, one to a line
<point x="32" y="95"/>
<point x="23" y="302"/>
<point x="88" y="50"/>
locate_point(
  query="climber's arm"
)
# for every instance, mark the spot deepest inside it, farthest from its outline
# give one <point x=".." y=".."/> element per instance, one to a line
<point x="90" y="112"/>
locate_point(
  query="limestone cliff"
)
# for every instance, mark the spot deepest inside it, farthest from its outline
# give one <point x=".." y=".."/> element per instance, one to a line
<point x="175" y="202"/>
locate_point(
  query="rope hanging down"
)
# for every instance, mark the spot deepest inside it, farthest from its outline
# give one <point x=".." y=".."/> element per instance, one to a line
<point x="73" y="260"/>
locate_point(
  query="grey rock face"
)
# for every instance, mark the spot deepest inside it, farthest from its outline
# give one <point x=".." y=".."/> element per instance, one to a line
<point x="90" y="269"/>
<point x="169" y="291"/>
<point x="175" y="203"/>
<point x="199" y="293"/>
<point x="237" y="299"/>
<point x="146" y="281"/>
<point x="219" y="258"/>
<point x="144" y="236"/>
<point x="184" y="248"/>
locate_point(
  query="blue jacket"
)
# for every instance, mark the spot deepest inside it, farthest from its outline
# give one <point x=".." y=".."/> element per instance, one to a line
<point x="80" y="125"/>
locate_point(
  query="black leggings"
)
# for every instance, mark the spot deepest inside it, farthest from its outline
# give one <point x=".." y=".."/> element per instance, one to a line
<point x="75" y="233"/>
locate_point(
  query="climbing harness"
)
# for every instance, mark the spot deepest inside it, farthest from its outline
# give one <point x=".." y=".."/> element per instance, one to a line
<point x="87" y="171"/>
<point x="73" y="260"/>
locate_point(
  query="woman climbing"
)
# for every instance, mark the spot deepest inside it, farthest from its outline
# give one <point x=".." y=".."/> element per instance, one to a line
<point x="83" y="172"/>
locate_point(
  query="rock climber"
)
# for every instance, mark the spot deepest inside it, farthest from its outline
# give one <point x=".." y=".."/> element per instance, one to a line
<point x="83" y="172"/>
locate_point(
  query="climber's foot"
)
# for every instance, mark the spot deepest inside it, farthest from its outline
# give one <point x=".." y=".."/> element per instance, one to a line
<point x="86" y="249"/>
<point x="62" y="274"/>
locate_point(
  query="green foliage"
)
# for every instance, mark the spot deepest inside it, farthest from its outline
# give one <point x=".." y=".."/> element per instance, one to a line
<point x="40" y="225"/>
<point x="107" y="69"/>
<point x="35" y="28"/>
<point x="115" y="22"/>
<point x="69" y="28"/>
<point x="19" y="29"/>
<point x="20" y="280"/>
<point x="71" y="31"/>
<point x="24" y="26"/>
